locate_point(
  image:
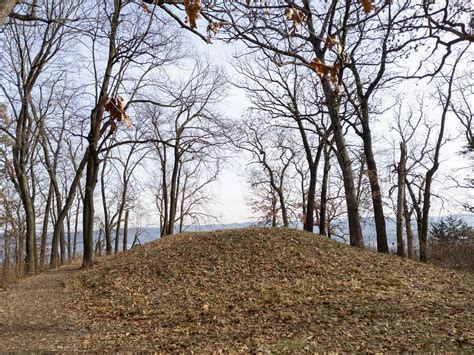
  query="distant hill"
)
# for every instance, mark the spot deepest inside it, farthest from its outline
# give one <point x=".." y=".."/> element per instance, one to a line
<point x="368" y="229"/>
<point x="271" y="289"/>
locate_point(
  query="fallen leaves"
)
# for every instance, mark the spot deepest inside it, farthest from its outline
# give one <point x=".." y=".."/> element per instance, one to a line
<point x="270" y="290"/>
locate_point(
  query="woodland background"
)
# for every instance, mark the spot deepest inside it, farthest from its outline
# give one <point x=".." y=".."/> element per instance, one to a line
<point x="117" y="114"/>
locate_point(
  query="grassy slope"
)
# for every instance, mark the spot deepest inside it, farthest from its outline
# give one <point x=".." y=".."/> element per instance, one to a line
<point x="271" y="289"/>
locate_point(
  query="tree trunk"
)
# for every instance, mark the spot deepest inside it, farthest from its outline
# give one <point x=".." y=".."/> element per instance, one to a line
<point x="165" y="200"/>
<point x="44" y="231"/>
<point x="324" y="191"/>
<point x="107" y="227"/>
<point x="93" y="161"/>
<point x="88" y="214"/>
<point x="382" y="243"/>
<point x="20" y="250"/>
<point x="76" y="225"/>
<point x="274" y="211"/>
<point x="409" y="231"/>
<point x="69" y="232"/>
<point x="284" y="213"/>
<point x="19" y="164"/>
<point x="345" y="162"/>
<point x="62" y="246"/>
<point x="98" y="244"/>
<point x="117" y="232"/>
<point x="6" y="251"/>
<point x="30" y="238"/>
<point x="313" y="172"/>
<point x="58" y="226"/>
<point x="174" y="189"/>
<point x="400" y="200"/>
<point x="125" y="231"/>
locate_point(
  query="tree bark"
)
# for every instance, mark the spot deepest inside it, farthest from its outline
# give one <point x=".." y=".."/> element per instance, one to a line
<point x="76" y="225"/>
<point x="401" y="199"/>
<point x="44" y="231"/>
<point x="313" y="171"/>
<point x="27" y="202"/>
<point x="125" y="231"/>
<point x="380" y="227"/>
<point x="88" y="213"/>
<point x="353" y="218"/>
<point x="173" y="204"/>
<point x="324" y="192"/>
<point x="274" y="211"/>
<point x="117" y="233"/>
<point x="69" y="233"/>
<point x="284" y="212"/>
<point x="408" y="228"/>
<point x="107" y="227"/>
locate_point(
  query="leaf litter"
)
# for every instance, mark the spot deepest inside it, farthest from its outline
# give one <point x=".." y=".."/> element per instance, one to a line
<point x="267" y="289"/>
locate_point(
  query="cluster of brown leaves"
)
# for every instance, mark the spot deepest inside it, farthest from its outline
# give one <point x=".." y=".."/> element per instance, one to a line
<point x="297" y="16"/>
<point x="114" y="106"/>
<point x="145" y="7"/>
<point x="367" y="5"/>
<point x="192" y="8"/>
<point x="322" y="69"/>
<point x="271" y="290"/>
<point x="213" y="27"/>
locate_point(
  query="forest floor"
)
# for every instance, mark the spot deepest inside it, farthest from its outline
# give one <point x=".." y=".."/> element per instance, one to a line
<point x="250" y="290"/>
<point x="34" y="314"/>
<point x="276" y="290"/>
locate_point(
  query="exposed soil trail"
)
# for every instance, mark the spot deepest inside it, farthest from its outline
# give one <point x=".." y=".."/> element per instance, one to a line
<point x="34" y="315"/>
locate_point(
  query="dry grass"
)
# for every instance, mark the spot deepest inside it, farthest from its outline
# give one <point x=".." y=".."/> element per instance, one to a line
<point x="452" y="256"/>
<point x="270" y="290"/>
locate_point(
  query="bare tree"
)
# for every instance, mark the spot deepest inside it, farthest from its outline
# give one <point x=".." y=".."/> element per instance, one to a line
<point x="29" y="51"/>
<point x="423" y="162"/>
<point x="291" y="99"/>
<point x="273" y="151"/>
<point x="192" y="137"/>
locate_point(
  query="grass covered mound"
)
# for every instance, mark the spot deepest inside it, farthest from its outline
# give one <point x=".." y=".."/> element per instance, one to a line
<point x="268" y="289"/>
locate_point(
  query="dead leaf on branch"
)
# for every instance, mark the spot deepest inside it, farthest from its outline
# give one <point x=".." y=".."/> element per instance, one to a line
<point x="331" y="41"/>
<point x="322" y="69"/>
<point x="117" y="114"/>
<point x="192" y="8"/>
<point x="367" y="5"/>
<point x="213" y="27"/>
<point x="297" y="16"/>
<point x="145" y="7"/>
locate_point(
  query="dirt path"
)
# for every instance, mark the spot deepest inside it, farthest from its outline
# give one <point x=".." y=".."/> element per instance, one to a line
<point x="34" y="316"/>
